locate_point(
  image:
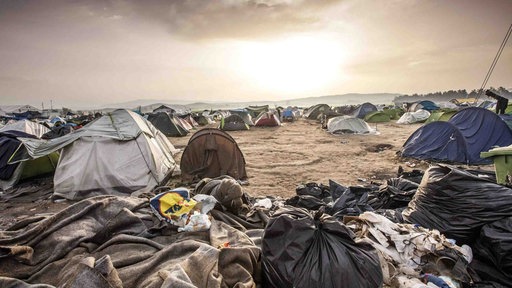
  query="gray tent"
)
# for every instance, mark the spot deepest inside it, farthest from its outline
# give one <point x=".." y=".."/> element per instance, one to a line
<point x="233" y="123"/>
<point x="118" y="153"/>
<point x="167" y="124"/>
<point x="348" y="125"/>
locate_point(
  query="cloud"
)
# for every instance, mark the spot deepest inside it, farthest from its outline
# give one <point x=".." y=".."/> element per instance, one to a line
<point x="225" y="19"/>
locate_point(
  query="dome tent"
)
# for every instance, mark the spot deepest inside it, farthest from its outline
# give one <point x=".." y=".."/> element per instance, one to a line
<point x="377" y="117"/>
<point x="268" y="119"/>
<point x="314" y="111"/>
<point x="119" y="153"/>
<point x="351" y="125"/>
<point x="233" y="123"/>
<point x="211" y="152"/>
<point x="364" y="109"/>
<point x="167" y="124"/>
<point x="460" y="139"/>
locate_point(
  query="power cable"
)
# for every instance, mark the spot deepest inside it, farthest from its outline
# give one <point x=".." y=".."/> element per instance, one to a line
<point x="496" y="58"/>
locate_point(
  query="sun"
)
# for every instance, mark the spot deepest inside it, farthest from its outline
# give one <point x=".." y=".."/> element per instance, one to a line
<point x="292" y="65"/>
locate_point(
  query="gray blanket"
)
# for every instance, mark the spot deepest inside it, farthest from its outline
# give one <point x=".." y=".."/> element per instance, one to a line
<point x="111" y="241"/>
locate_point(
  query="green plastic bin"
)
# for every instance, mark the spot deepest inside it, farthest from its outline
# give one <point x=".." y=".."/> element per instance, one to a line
<point x="502" y="157"/>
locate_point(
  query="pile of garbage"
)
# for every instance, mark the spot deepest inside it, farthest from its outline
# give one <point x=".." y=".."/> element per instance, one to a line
<point x="446" y="227"/>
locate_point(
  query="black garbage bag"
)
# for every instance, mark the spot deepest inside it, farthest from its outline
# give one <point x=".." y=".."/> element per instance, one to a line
<point x="413" y="176"/>
<point x="352" y="202"/>
<point x="493" y="249"/>
<point x="305" y="201"/>
<point x="313" y="189"/>
<point x="302" y="250"/>
<point x="457" y="203"/>
<point x="396" y="194"/>
<point x="336" y="189"/>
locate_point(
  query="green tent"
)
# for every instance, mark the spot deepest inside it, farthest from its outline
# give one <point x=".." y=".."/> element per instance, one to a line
<point x="377" y="117"/>
<point x="444" y="115"/>
<point x="394" y="113"/>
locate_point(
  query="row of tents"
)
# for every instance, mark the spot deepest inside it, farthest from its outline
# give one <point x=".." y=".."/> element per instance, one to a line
<point x="93" y="159"/>
<point x="447" y="135"/>
<point x="424" y="111"/>
<point x="118" y="153"/>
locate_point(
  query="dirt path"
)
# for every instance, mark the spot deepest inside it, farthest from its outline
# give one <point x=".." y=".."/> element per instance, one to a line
<point x="280" y="158"/>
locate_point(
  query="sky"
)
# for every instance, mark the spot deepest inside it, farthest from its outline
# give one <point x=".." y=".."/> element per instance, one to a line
<point x="91" y="53"/>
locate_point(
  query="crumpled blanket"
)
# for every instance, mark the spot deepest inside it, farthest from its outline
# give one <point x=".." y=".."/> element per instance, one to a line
<point x="112" y="241"/>
<point x="234" y="206"/>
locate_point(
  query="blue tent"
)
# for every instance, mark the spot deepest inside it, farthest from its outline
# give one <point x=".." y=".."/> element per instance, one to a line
<point x="425" y="105"/>
<point x="364" y="109"/>
<point x="428" y="105"/>
<point x="438" y="140"/>
<point x="287" y="113"/>
<point x="461" y="139"/>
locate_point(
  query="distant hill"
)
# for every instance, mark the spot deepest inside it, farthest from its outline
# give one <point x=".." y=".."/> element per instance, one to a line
<point x="333" y="100"/>
<point x="343" y="99"/>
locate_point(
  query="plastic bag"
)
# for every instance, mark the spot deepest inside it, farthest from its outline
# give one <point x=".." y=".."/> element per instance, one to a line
<point x="353" y="202"/>
<point x="494" y="248"/>
<point x="457" y="203"/>
<point x="196" y="222"/>
<point x="302" y="251"/>
<point x="173" y="206"/>
<point x="396" y="194"/>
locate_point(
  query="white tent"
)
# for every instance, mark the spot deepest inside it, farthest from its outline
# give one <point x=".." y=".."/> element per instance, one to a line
<point x="414" y="117"/>
<point x="118" y="153"/>
<point x="351" y="125"/>
<point x="9" y="109"/>
<point x="26" y="126"/>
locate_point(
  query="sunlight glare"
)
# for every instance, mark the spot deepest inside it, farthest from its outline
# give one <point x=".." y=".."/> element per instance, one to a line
<point x="293" y="65"/>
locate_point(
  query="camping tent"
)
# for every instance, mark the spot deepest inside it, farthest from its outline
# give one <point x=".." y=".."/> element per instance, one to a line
<point x="439" y="141"/>
<point x="211" y="152"/>
<point x="290" y="114"/>
<point x="118" y="153"/>
<point x="393" y="113"/>
<point x="203" y="120"/>
<point x="364" y="109"/>
<point x="314" y="111"/>
<point x="244" y="114"/>
<point x="254" y="110"/>
<point x="267" y="119"/>
<point x="460" y="139"/>
<point x="233" y="123"/>
<point x="167" y="124"/>
<point x="424" y="105"/>
<point x="351" y="125"/>
<point x="441" y="115"/>
<point x="11" y="174"/>
<point x="26" y="126"/>
<point x="377" y="117"/>
<point x="413" y="117"/>
<point x="189" y="119"/>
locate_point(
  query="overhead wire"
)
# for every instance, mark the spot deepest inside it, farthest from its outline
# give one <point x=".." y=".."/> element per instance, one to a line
<point x="496" y="58"/>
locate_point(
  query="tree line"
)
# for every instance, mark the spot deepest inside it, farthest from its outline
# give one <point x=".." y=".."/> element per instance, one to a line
<point x="446" y="96"/>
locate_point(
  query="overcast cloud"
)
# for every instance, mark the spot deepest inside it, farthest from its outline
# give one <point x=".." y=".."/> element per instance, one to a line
<point x="88" y="53"/>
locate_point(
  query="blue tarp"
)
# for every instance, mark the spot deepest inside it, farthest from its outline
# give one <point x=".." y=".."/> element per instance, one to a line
<point x="461" y="139"/>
